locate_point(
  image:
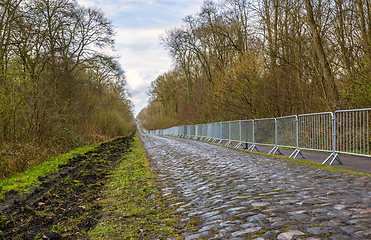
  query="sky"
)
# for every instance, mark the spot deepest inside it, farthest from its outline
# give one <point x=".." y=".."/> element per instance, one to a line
<point x="138" y="26"/>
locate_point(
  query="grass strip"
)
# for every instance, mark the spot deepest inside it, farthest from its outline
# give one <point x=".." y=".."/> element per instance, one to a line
<point x="133" y="205"/>
<point x="21" y="182"/>
<point x="301" y="162"/>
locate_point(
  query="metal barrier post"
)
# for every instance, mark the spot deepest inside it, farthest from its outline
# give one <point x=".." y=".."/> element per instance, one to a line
<point x="275" y="149"/>
<point x="240" y="143"/>
<point x="221" y="133"/>
<point x="212" y="133"/>
<point x="196" y="130"/>
<point x="334" y="154"/>
<point x="229" y="134"/>
<point x="215" y="133"/>
<point x="206" y="134"/>
<point x="297" y="150"/>
<point x="253" y="146"/>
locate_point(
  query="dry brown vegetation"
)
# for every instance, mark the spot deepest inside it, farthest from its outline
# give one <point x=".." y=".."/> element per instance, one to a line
<point x="58" y="90"/>
<point x="240" y="59"/>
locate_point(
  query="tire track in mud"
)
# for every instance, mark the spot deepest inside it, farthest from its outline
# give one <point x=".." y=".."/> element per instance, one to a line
<point x="64" y="205"/>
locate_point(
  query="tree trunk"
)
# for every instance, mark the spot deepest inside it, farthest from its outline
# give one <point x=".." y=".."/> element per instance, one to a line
<point x="329" y="83"/>
<point x="365" y="38"/>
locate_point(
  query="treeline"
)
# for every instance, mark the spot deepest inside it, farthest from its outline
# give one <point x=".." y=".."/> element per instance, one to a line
<point x="58" y="90"/>
<point x="241" y="59"/>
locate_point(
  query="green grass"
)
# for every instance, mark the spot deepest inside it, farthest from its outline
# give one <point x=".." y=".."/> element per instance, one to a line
<point x="133" y="205"/>
<point x="22" y="181"/>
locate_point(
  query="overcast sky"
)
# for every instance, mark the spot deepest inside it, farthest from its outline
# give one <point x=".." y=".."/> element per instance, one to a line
<point x="138" y="24"/>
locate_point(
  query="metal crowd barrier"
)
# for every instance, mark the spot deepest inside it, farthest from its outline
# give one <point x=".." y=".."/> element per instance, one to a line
<point x="351" y="133"/>
<point x="342" y="132"/>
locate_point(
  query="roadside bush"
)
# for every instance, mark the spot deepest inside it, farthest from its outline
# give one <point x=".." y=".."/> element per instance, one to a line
<point x="53" y="85"/>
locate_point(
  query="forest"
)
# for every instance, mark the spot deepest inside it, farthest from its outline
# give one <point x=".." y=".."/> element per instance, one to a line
<point x="59" y="87"/>
<point x="246" y="59"/>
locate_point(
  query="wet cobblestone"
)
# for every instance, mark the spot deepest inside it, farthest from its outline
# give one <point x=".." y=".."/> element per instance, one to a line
<point x="230" y="194"/>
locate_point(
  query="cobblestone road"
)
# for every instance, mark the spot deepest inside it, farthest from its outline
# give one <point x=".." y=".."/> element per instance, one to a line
<point x="232" y="194"/>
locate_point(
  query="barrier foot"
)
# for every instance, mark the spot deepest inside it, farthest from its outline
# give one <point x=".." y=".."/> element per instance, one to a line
<point x="220" y="142"/>
<point x="296" y="153"/>
<point x="238" y="145"/>
<point x="274" y="150"/>
<point x="252" y="147"/>
<point x="228" y="143"/>
<point x="334" y="156"/>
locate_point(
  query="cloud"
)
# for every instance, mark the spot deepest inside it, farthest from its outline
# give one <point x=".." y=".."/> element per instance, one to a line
<point x="151" y="11"/>
<point x="142" y="58"/>
<point x="139" y="24"/>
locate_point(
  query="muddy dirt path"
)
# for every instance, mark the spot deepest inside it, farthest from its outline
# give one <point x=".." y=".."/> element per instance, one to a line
<point x="65" y="201"/>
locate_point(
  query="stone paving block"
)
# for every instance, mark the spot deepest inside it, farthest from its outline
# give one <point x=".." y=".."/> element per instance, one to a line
<point x="275" y="211"/>
<point x="235" y="209"/>
<point x="317" y="230"/>
<point x="180" y="210"/>
<point x="340" y="207"/>
<point x="339" y="237"/>
<point x="331" y="223"/>
<point x="270" y="234"/>
<point x="276" y="219"/>
<point x="360" y="210"/>
<point x="364" y="234"/>
<point x="217" y="201"/>
<point x="209" y="214"/>
<point x="298" y="212"/>
<point x="215" y="217"/>
<point x="349" y="229"/>
<point x="230" y="223"/>
<point x="228" y="229"/>
<point x="284" y="202"/>
<point x="291" y="227"/>
<point x="319" y="211"/>
<point x="196" y="236"/>
<point x="257" y="217"/>
<point x="337" y="213"/>
<point x="195" y="213"/>
<point x="245" y="231"/>
<point x="290" y="235"/>
<point x="300" y="217"/>
<point x="260" y="204"/>
<point x="279" y="224"/>
<point x="247" y="225"/>
<point x="208" y="227"/>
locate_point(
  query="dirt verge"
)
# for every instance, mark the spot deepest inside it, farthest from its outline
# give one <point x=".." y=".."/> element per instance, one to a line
<point x="65" y="204"/>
